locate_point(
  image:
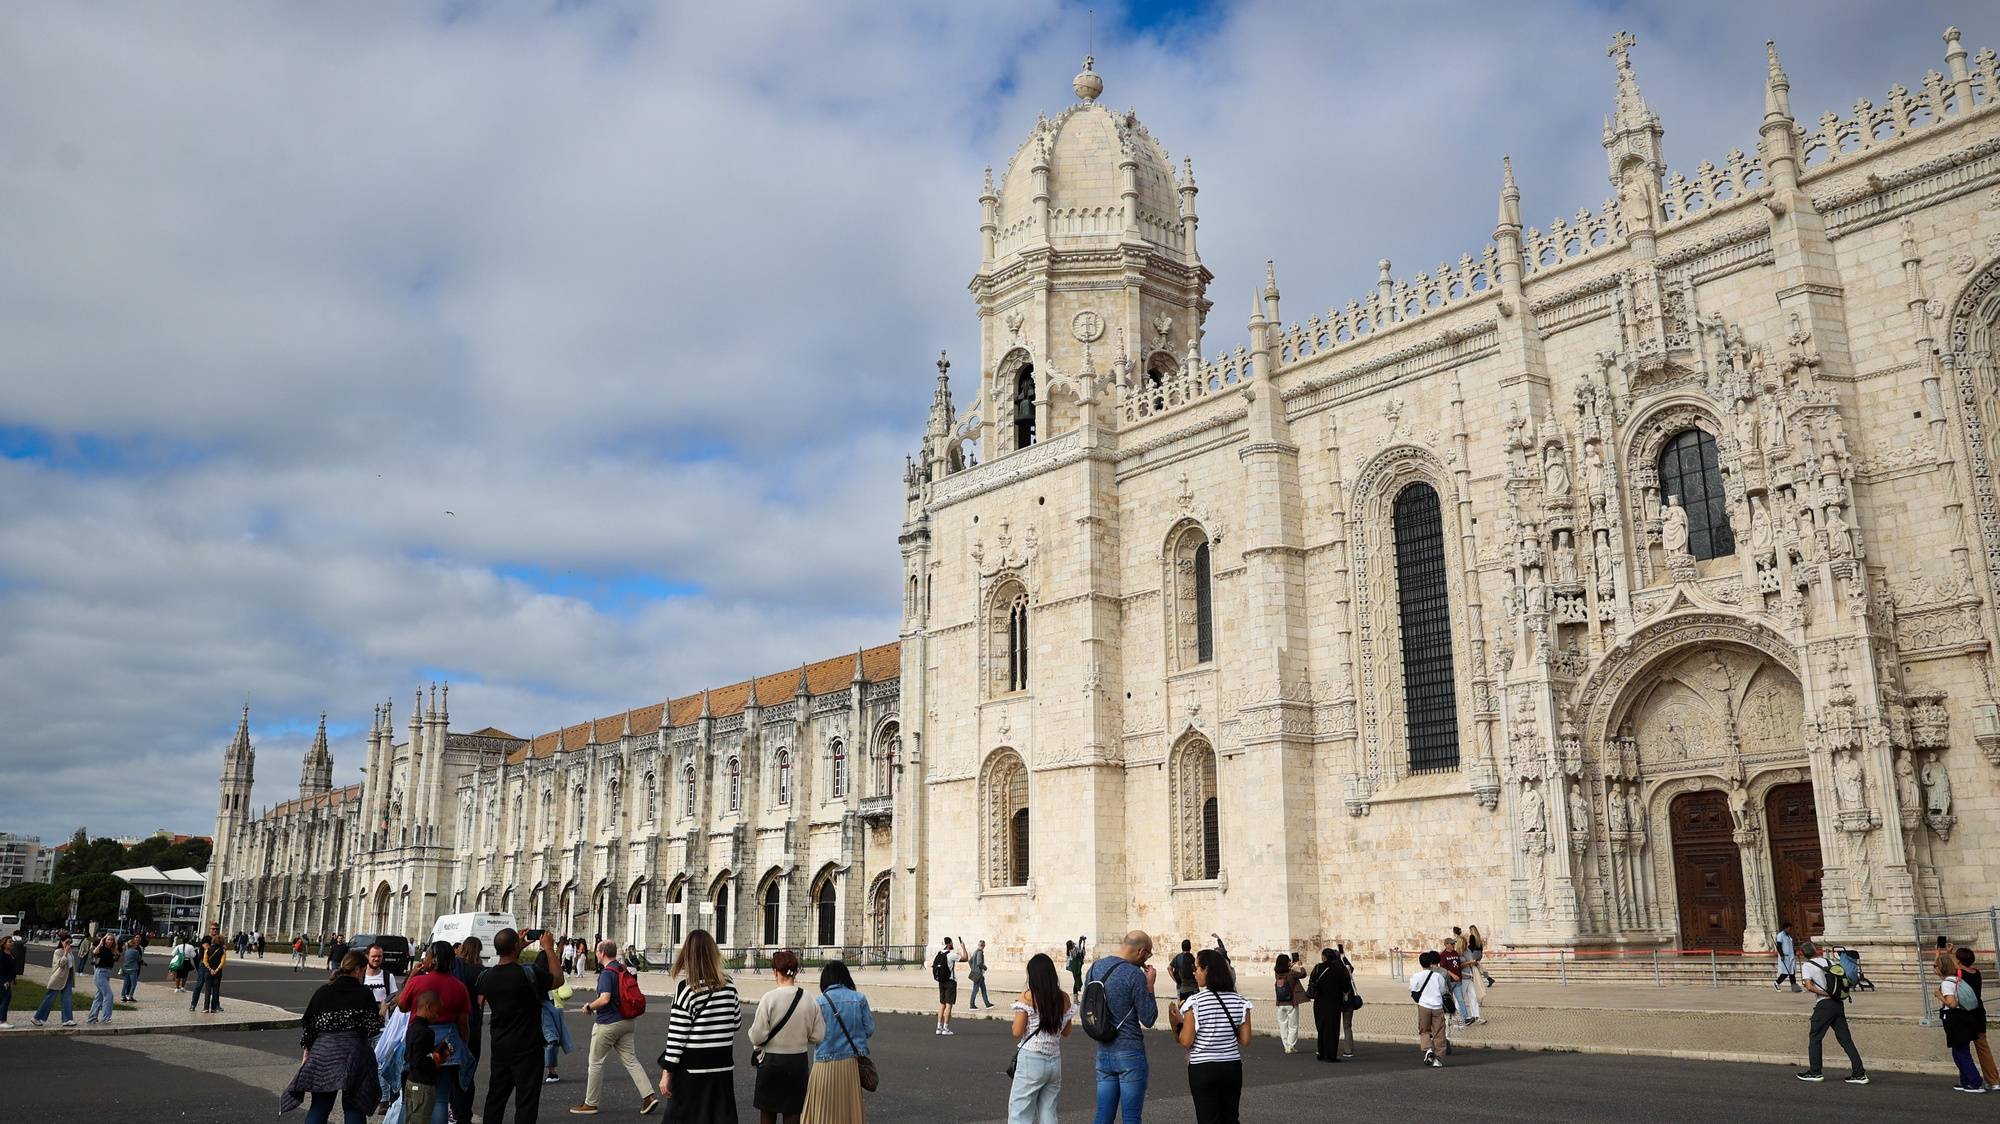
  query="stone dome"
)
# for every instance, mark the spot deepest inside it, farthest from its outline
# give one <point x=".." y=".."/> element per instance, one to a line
<point x="1084" y="146"/>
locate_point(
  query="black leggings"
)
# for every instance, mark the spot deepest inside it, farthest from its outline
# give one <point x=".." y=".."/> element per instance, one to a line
<point x="1217" y="1090"/>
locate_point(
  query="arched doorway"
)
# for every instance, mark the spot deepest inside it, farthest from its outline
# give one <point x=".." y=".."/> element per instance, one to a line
<point x="771" y="910"/>
<point x="635" y="915"/>
<point x="1708" y="871"/>
<point x="826" y="917"/>
<point x="878" y="912"/>
<point x="1793" y="816"/>
<point x="676" y="915"/>
<point x="600" y="913"/>
<point x="382" y="908"/>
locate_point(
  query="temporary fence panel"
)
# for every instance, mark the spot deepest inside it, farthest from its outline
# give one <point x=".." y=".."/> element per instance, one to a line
<point x="1978" y="930"/>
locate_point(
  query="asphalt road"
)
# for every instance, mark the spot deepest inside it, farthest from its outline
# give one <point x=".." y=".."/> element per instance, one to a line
<point x="228" y="1077"/>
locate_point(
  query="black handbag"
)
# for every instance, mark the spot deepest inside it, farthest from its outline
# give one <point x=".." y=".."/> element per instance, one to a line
<point x="757" y="1052"/>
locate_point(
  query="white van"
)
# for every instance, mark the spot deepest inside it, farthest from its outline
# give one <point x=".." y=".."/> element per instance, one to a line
<point x="455" y="927"/>
<point x="10" y="924"/>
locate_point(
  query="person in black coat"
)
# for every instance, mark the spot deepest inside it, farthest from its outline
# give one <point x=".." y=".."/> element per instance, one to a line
<point x="1330" y="988"/>
<point x="339" y="1023"/>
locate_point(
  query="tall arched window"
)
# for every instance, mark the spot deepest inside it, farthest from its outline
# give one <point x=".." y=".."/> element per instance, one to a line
<point x="1193" y="608"/>
<point x="1690" y="472"/>
<point x="784" y="776"/>
<point x="824" y="912"/>
<point x="1429" y="690"/>
<point x="576" y="809"/>
<point x="613" y="793"/>
<point x="1197" y="824"/>
<point x="1024" y="407"/>
<point x="687" y="792"/>
<point x="882" y="763"/>
<point x="652" y="797"/>
<point x="838" y="773"/>
<point x="735" y="785"/>
<point x="1008" y="646"/>
<point x="771" y="914"/>
<point x="720" y="898"/>
<point x="1007" y="823"/>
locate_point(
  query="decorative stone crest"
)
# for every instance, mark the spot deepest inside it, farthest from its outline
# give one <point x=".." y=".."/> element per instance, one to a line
<point x="1087" y="326"/>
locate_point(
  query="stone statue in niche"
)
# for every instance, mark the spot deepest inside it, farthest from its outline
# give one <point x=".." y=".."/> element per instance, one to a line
<point x="1621" y="820"/>
<point x="1674" y="527"/>
<point x="1531" y="809"/>
<point x="1761" y="537"/>
<point x="1838" y="542"/>
<point x="1638" y="813"/>
<point x="1774" y="416"/>
<point x="1594" y="476"/>
<point x="1908" y="796"/>
<point x="1746" y="428"/>
<point x="1579" y="808"/>
<point x="1556" y="476"/>
<point x="1937" y="787"/>
<point x="1848" y="782"/>
<point x="1565" y="558"/>
<point x="1605" y="582"/>
<point x="1635" y="199"/>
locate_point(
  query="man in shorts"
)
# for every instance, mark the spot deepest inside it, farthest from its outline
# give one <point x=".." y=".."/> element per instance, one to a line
<point x="944" y="968"/>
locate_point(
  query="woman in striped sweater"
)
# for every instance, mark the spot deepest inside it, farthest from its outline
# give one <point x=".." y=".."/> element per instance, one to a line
<point x="697" y="1067"/>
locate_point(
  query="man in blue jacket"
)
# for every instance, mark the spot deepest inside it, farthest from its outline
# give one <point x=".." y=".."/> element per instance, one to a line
<point x="1121" y="1062"/>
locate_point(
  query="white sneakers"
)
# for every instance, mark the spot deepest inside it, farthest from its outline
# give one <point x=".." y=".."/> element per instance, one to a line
<point x="943" y="1029"/>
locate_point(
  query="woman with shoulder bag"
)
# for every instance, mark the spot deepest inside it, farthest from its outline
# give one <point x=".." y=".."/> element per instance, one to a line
<point x="781" y="1037"/>
<point x="1214" y="1024"/>
<point x="1430" y="990"/>
<point x="1329" y="990"/>
<point x="1964" y="1021"/>
<point x="1043" y="1016"/>
<point x="698" y="1066"/>
<point x="841" y="1066"/>
<point x="1291" y="995"/>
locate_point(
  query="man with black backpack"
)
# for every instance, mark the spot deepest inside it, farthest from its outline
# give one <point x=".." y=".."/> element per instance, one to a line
<point x="1117" y="1002"/>
<point x="944" y="969"/>
<point x="1827" y="979"/>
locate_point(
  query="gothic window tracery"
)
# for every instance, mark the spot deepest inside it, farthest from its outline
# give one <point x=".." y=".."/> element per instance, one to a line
<point x="837" y="775"/>
<point x="882" y="763"/>
<point x="1192" y="606"/>
<point x="1008" y="638"/>
<point x="1004" y="796"/>
<point x="687" y="798"/>
<point x="1197" y="815"/>
<point x="1430" y="709"/>
<point x="1691" y="473"/>
<point x="652" y="797"/>
<point x="735" y="768"/>
<point x="784" y="776"/>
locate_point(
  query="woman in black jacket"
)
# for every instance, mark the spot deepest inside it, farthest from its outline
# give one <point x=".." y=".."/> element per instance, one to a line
<point x="339" y="1023"/>
<point x="1330" y="988"/>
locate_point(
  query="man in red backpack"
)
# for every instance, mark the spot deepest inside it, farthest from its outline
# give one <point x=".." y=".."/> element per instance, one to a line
<point x="618" y="1002"/>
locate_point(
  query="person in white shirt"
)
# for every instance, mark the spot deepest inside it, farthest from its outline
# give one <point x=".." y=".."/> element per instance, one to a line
<point x="1829" y="1013"/>
<point x="1214" y="1024"/>
<point x="380" y="979"/>
<point x="1428" y="989"/>
<point x="1040" y="1030"/>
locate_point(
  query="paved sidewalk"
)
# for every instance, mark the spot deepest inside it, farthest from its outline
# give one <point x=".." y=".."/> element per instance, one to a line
<point x="159" y="1009"/>
<point x="1739" y="1024"/>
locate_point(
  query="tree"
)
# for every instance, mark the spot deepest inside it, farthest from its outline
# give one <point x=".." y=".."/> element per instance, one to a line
<point x="97" y="900"/>
<point x="34" y="901"/>
<point x="90" y="856"/>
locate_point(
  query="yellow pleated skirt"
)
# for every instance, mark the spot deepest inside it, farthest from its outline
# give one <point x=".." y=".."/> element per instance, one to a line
<point x="833" y="1093"/>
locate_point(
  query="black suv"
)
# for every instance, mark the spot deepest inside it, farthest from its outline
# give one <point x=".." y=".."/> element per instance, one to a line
<point x="395" y="950"/>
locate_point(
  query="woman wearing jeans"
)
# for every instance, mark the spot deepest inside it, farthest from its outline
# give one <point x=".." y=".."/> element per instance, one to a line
<point x="103" y="958"/>
<point x="1043" y="1016"/>
<point x="1214" y="1024"/>
<point x="131" y="962"/>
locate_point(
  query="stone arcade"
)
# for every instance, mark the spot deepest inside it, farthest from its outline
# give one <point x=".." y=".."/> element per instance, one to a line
<point x="1629" y="582"/>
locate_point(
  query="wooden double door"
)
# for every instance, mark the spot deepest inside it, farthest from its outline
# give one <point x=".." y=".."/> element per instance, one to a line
<point x="1708" y="865"/>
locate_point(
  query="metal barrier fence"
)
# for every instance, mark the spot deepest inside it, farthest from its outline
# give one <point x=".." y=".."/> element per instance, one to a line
<point x="814" y="956"/>
<point x="1656" y="963"/>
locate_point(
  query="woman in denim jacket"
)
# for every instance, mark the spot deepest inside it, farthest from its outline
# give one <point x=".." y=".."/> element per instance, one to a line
<point x="833" y="1092"/>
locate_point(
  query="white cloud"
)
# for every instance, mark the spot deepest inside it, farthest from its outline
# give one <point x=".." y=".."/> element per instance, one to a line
<point x="638" y="291"/>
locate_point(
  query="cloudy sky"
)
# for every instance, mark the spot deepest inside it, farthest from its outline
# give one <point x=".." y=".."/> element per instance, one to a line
<point x="569" y="351"/>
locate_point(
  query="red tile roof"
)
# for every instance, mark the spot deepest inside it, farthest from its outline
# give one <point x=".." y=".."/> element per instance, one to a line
<point x="836" y="673"/>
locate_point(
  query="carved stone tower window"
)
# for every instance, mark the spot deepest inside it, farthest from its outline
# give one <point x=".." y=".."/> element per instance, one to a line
<point x="1008" y="638"/>
<point x="1004" y="796"/>
<point x="1197" y="819"/>
<point x="1424" y="609"/>
<point x="735" y="768"/>
<point x="837" y="774"/>
<point x="784" y="776"/>
<point x="1192" y="606"/>
<point x="652" y="797"/>
<point x="1024" y="407"/>
<point x="687" y="795"/>
<point x="1691" y="473"/>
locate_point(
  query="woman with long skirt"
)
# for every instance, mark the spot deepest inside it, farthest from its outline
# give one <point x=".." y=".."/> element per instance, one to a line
<point x="698" y="1064"/>
<point x="1329" y="989"/>
<point x="833" y="1092"/>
